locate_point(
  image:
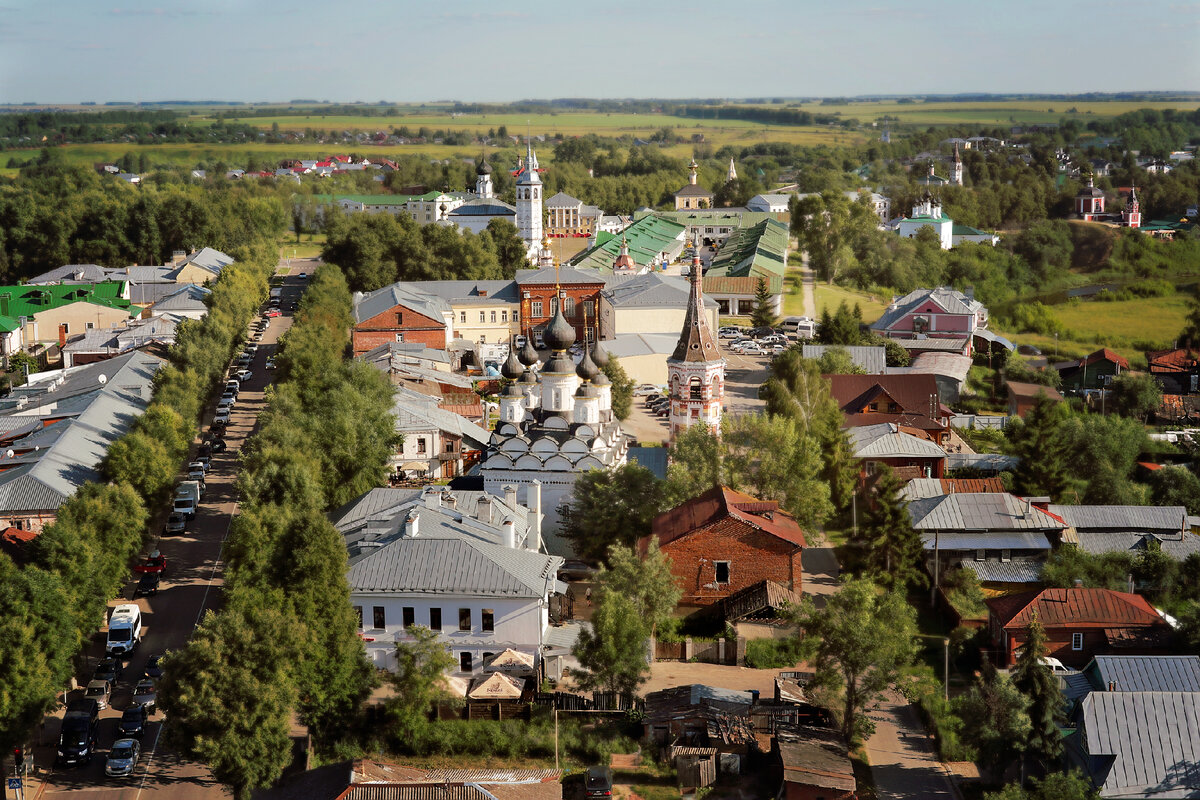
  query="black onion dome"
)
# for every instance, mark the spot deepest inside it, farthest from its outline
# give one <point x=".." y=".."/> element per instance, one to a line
<point x="482" y="167"/>
<point x="601" y="380"/>
<point x="528" y="378"/>
<point x="587" y="368"/>
<point x="587" y="390"/>
<point x="512" y="368"/>
<point x="559" y="334"/>
<point x="600" y="355"/>
<point x="513" y="390"/>
<point x="559" y="365"/>
<point x="528" y="356"/>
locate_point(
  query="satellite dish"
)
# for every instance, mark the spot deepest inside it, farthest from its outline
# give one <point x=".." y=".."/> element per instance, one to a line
<point x="103" y="379"/>
<point x="9" y="454"/>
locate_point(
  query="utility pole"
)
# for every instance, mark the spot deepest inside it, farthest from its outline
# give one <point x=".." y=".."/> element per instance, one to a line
<point x="936" y="570"/>
<point x="946" y="682"/>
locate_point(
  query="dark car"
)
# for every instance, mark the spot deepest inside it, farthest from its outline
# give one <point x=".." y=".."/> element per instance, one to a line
<point x="153" y="666"/>
<point x="146" y="694"/>
<point x="598" y="782"/>
<point x="77" y="738"/>
<point x="107" y="670"/>
<point x="176" y="523"/>
<point x="147" y="584"/>
<point x="218" y="445"/>
<point x="133" y="722"/>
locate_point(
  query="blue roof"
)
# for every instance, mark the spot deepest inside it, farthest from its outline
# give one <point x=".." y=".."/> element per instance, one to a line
<point x="652" y="458"/>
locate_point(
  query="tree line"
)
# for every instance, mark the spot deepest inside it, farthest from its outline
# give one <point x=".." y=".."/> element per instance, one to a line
<point x="286" y="639"/>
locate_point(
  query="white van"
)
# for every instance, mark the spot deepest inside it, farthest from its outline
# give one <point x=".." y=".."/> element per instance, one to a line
<point x="124" y="630"/>
<point x="802" y="327"/>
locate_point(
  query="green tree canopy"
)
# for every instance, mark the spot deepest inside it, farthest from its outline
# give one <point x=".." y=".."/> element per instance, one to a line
<point x="763" y="315"/>
<point x="613" y="654"/>
<point x="893" y="547"/>
<point x="418" y="681"/>
<point x="995" y="718"/>
<point x="1046" y="704"/>
<point x="611" y="508"/>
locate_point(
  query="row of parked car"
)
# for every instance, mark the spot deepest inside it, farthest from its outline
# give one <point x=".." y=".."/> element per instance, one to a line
<point x="77" y="741"/>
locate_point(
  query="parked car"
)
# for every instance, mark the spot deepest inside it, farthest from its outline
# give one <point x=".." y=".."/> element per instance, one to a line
<point x="222" y="417"/>
<point x="153" y="666"/>
<point x="646" y="389"/>
<point x="122" y="758"/>
<point x="218" y="445"/>
<point x="146" y="694"/>
<point x="195" y="474"/>
<point x="77" y="737"/>
<point x="100" y="691"/>
<point x="133" y="722"/>
<point x="108" y="670"/>
<point x="155" y="563"/>
<point x="274" y="312"/>
<point x="243" y="375"/>
<point x="271" y="362"/>
<point x="663" y="411"/>
<point x="303" y="276"/>
<point x="176" y="523"/>
<point x="575" y="570"/>
<point x="147" y="585"/>
<point x="598" y="782"/>
<point x="233" y="387"/>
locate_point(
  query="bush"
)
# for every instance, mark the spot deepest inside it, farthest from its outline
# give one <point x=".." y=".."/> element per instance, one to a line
<point x="772" y="653"/>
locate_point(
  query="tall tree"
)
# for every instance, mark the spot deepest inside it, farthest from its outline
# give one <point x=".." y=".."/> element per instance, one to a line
<point x="622" y="387"/>
<point x="612" y="654"/>
<point x="646" y="580"/>
<point x="418" y="680"/>
<point x="1136" y="395"/>
<point x="859" y="646"/>
<point x="893" y="547"/>
<point x="995" y="718"/>
<point x="1041" y="442"/>
<point x="1175" y="486"/>
<point x="611" y="508"/>
<point x="1046" y="703"/>
<point x="763" y="315"/>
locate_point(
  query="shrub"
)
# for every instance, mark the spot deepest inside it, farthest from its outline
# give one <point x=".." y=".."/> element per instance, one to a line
<point x="772" y="653"/>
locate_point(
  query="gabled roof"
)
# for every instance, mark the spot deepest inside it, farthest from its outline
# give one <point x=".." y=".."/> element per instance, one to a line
<point x="651" y="290"/>
<point x="979" y="512"/>
<point x="1076" y="607"/>
<point x="887" y="441"/>
<point x="746" y="285"/>
<point x="693" y="190"/>
<point x="1177" y="360"/>
<point x="720" y="503"/>
<point x="1104" y="354"/>
<point x="399" y="294"/>
<point x="1145" y="673"/>
<point x="210" y="259"/>
<point x="1178" y="545"/>
<point x="915" y="393"/>
<point x="950" y="300"/>
<point x="71" y="273"/>
<point x="563" y="200"/>
<point x="416" y="412"/>
<point x="871" y="358"/>
<point x="647" y="239"/>
<point x="754" y="251"/>
<point x="548" y="276"/>
<point x="1030" y="391"/>
<point x="187" y="297"/>
<point x="936" y="487"/>
<point x="1143" y="744"/>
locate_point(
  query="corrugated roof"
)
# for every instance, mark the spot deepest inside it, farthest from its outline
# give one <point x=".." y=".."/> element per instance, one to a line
<point x="987" y="462"/>
<point x="647" y="239"/>
<point x="400" y="294"/>
<point x="1014" y="540"/>
<point x="746" y="286"/>
<point x="210" y="259"/>
<point x="822" y="763"/>
<point x="988" y="511"/>
<point x="1122" y="518"/>
<point x="872" y="359"/>
<point x="651" y="290"/>
<point x="886" y="441"/>
<point x="415" y="411"/>
<point x="1143" y="744"/>
<point x="935" y="487"/>
<point x="720" y="503"/>
<point x="1075" y="607"/>
<point x="548" y="276"/>
<point x="1145" y="673"/>
<point x="1004" y="571"/>
<point x="1178" y="546"/>
<point x="757" y="250"/>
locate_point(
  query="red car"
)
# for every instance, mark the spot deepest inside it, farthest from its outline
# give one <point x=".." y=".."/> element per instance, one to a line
<point x="155" y="562"/>
<point x="274" y="312"/>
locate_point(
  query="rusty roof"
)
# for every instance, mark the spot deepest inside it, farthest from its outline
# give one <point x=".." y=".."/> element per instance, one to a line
<point x="819" y="761"/>
<point x="721" y="503"/>
<point x="1077" y="607"/>
<point x="1032" y="390"/>
<point x="915" y="393"/>
<point x="1177" y="360"/>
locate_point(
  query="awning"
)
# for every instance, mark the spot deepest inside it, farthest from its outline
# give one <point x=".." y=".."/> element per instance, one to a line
<point x="511" y="661"/>
<point x="496" y="686"/>
<point x="987" y="335"/>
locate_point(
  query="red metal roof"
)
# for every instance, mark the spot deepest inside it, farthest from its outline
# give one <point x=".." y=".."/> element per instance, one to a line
<point x="1177" y="360"/>
<point x="719" y="503"/>
<point x="1077" y="607"/>
<point x="1104" y="354"/>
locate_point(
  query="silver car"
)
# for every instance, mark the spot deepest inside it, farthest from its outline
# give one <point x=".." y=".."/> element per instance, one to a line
<point x="100" y="691"/>
<point x="122" y="758"/>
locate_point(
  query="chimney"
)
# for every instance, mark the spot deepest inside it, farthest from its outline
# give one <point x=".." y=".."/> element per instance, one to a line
<point x="483" y="511"/>
<point x="411" y="523"/>
<point x="448" y="499"/>
<point x="510" y="534"/>
<point x="1028" y="507"/>
<point x="510" y="496"/>
<point x="1112" y="686"/>
<point x="432" y="497"/>
<point x="533" y="500"/>
<point x="1079" y="583"/>
<point x="62" y="334"/>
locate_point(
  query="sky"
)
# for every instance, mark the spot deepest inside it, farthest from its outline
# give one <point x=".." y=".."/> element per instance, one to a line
<point x="71" y="51"/>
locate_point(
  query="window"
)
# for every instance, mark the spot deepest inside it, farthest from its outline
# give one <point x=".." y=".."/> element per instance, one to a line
<point x="421" y="445"/>
<point x="409" y="616"/>
<point x="1006" y="555"/>
<point x="380" y="618"/>
<point x="1076" y="641"/>
<point x="722" y="571"/>
<point x="464" y="662"/>
<point x="979" y="555"/>
<point x="399" y="337"/>
<point x="487" y="621"/>
<point x="504" y="316"/>
<point x="435" y="619"/>
<point x="462" y="317"/>
<point x="483" y="316"/>
<point x="91" y="325"/>
<point x="553" y="306"/>
<point x="487" y="657"/>
<point x="493" y="316"/>
<point x="588" y="309"/>
<point x="568" y="306"/>
<point x="399" y="318"/>
<point x="696" y="389"/>
<point x="66" y="327"/>
<point x="464" y="619"/>
<point x="535" y="308"/>
<point x="358" y="612"/>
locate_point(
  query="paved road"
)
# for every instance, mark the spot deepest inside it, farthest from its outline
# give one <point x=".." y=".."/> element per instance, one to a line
<point x="903" y="762"/>
<point x="191" y="586"/>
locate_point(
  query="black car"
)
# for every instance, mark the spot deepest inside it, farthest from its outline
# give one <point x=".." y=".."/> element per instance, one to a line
<point x="598" y="782"/>
<point x="147" y="584"/>
<point x="107" y="670"/>
<point x="218" y="445"/>
<point x="153" y="666"/>
<point x="133" y="722"/>
<point x="77" y="737"/>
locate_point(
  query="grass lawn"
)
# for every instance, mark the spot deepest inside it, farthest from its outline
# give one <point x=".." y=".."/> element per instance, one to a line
<point x="309" y="246"/>
<point x="830" y="297"/>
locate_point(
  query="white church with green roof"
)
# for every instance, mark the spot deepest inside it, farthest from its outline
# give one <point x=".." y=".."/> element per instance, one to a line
<point x="928" y="213"/>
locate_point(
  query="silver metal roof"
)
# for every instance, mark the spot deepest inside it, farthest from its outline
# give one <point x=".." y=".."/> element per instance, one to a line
<point x="979" y="511"/>
<point x="986" y="541"/>
<point x="873" y="360"/>
<point x="453" y="565"/>
<point x="1146" y="673"/>
<point x="990" y="462"/>
<point x="886" y="441"/>
<point x="952" y="300"/>
<point x="380" y="300"/>
<point x="1004" y="571"/>
<point x="1122" y="518"/>
<point x="415" y="412"/>
<point x="1149" y="741"/>
<point x="651" y="290"/>
<point x="1178" y="546"/>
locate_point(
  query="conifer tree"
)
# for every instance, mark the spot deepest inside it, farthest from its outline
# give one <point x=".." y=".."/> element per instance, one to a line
<point x="763" y="315"/>
<point x="893" y="546"/>
<point x="1046" y="703"/>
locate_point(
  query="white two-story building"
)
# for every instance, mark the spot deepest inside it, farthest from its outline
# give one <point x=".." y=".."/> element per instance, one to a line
<point x="466" y="565"/>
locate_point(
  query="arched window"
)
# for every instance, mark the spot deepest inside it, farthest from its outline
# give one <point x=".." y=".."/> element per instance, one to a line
<point x="696" y="389"/>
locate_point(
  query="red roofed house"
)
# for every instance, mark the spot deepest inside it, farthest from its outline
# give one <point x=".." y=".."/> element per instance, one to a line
<point x="1024" y="396"/>
<point x="724" y="541"/>
<point x="1094" y="371"/>
<point x="909" y="401"/>
<point x="1080" y="623"/>
<point x="1177" y="370"/>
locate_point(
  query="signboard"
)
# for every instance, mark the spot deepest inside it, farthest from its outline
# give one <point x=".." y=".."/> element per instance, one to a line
<point x="14" y="783"/>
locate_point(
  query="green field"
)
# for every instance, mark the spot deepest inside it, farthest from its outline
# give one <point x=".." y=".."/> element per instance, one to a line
<point x="1000" y="112"/>
<point x="830" y="297"/>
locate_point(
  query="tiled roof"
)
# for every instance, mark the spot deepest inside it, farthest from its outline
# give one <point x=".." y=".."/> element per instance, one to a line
<point x="723" y="503"/>
<point x="988" y="511"/>
<point x="1143" y="744"/>
<point x="1074" y="607"/>
<point x="1178" y="360"/>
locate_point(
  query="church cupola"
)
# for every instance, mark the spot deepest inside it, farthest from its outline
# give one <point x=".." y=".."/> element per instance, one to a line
<point x="732" y="171"/>
<point x="587" y="404"/>
<point x="624" y="262"/>
<point x="483" y="179"/>
<point x="560" y="334"/>
<point x="528" y="356"/>
<point x="512" y="368"/>
<point x="956" y="168"/>
<point x="512" y="404"/>
<point x="696" y="370"/>
<point x="599" y="354"/>
<point x="587" y="369"/>
<point x="692" y="167"/>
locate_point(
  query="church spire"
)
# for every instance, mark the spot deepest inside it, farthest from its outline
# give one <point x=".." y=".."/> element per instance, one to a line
<point x="696" y="340"/>
<point x="696" y="370"/>
<point x="692" y="167"/>
<point x="732" y="171"/>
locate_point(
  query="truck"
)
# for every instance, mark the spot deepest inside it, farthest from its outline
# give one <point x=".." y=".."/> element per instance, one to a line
<point x="77" y="737"/>
<point x="187" y="498"/>
<point x="124" y="630"/>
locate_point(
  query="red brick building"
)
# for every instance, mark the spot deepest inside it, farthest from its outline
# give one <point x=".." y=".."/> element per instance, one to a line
<point x="1080" y="623"/>
<point x="400" y="313"/>
<point x="581" y="299"/>
<point x="724" y="541"/>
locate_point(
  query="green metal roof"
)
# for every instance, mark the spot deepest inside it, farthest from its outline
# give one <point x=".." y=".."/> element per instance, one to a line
<point x="967" y="230"/>
<point x="759" y="250"/>
<point x="647" y="239"/>
<point x="25" y="301"/>
<point x="709" y="216"/>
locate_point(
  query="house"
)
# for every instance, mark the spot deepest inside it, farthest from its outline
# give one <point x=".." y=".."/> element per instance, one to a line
<point x="201" y="266"/>
<point x="400" y="313"/>
<point x="1138" y="744"/>
<point x="464" y="564"/>
<point x="738" y="296"/>
<point x="919" y="488"/>
<point x="475" y="215"/>
<point x="183" y="301"/>
<point x="438" y="444"/>
<point x="1080" y="623"/>
<point x="101" y="344"/>
<point x="870" y="359"/>
<point x="927" y="213"/>
<point x="949" y="371"/>
<point x="1127" y="529"/>
<point x="648" y="304"/>
<point x="540" y="289"/>
<point x="723" y="541"/>
<point x="487" y="312"/>
<point x="693" y="195"/>
<point x="569" y="216"/>
<point x="886" y="443"/>
<point x="753" y="251"/>
<point x="776" y="204"/>
<point x="1092" y="372"/>
<point x="696" y="715"/>
<point x="924" y="314"/>
<point x="1178" y="370"/>
<point x="980" y="530"/>
<point x="1024" y="396"/>
<point x="650" y="241"/>
<point x="1144" y="673"/>
<point x="816" y="767"/>
<point x="910" y="401"/>
<point x="965" y="234"/>
<point x="46" y="314"/>
<point x="56" y="429"/>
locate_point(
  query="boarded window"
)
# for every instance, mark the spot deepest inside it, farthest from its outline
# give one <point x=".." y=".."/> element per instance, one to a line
<point x="465" y="662"/>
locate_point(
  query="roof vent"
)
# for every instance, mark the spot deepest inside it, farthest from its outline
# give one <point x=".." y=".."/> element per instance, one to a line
<point x="1079" y="583"/>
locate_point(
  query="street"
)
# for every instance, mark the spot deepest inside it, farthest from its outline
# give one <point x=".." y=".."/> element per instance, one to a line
<point x="191" y="586"/>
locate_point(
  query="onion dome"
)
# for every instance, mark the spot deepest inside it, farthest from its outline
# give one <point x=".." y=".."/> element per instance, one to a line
<point x="559" y="334"/>
<point x="513" y="390"/>
<point x="600" y="355"/>
<point x="587" y="390"/>
<point x="601" y="380"/>
<point x="512" y="368"/>
<point x="528" y="378"/>
<point x="560" y="364"/>
<point x="587" y="368"/>
<point x="528" y="356"/>
<point x="482" y="167"/>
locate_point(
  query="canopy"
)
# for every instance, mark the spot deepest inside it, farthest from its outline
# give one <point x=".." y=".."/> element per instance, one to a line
<point x="512" y="661"/>
<point x="496" y="686"/>
<point x="985" y="334"/>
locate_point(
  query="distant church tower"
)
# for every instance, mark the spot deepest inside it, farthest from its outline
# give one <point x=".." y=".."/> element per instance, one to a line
<point x="1131" y="217"/>
<point x="696" y="370"/>
<point x="483" y="179"/>
<point x="732" y="171"/>
<point x="956" y="168"/>
<point x="529" y="202"/>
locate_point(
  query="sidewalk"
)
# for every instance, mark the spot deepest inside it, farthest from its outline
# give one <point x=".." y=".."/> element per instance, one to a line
<point x="903" y="761"/>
